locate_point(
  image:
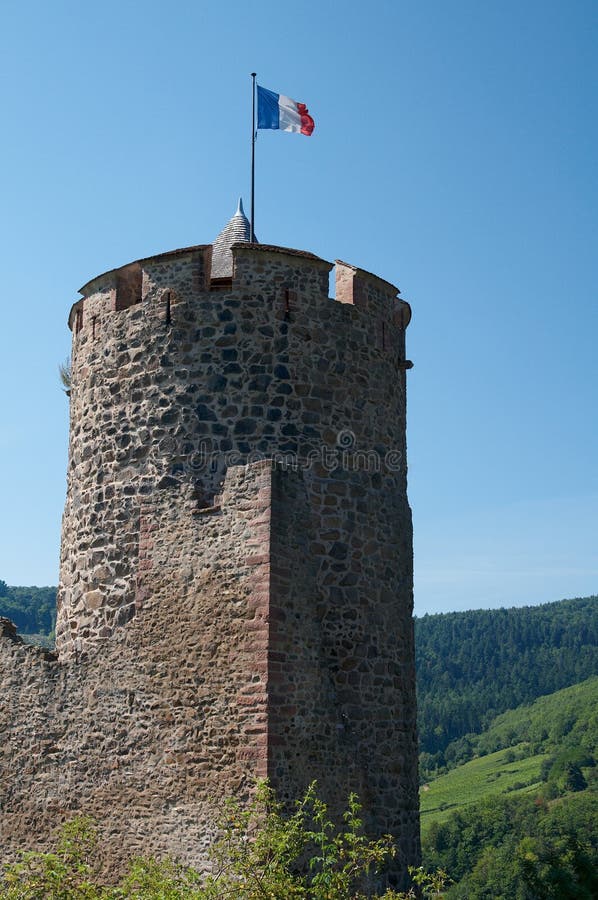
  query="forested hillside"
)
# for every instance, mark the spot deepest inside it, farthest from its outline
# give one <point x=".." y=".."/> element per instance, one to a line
<point x="550" y="743"/>
<point x="565" y="720"/>
<point x="519" y="819"/>
<point x="32" y="609"/>
<point x="473" y="665"/>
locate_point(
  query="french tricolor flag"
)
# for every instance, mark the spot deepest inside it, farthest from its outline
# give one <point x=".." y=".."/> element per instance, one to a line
<point x="278" y="111"/>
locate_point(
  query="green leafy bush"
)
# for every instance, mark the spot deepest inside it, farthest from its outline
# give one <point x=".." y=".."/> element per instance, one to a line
<point x="261" y="854"/>
<point x="62" y="875"/>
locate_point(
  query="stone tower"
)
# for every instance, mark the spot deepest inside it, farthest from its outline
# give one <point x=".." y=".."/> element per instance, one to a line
<point x="236" y="569"/>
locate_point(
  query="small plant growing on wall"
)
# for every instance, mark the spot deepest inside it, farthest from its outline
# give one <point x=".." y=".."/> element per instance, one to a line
<point x="64" y="372"/>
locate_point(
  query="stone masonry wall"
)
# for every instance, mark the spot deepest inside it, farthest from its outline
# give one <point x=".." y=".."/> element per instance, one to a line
<point x="340" y="650"/>
<point x="222" y="616"/>
<point x="150" y="735"/>
<point x="191" y="379"/>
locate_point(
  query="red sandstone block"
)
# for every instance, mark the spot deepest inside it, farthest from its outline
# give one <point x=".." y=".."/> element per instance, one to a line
<point x="247" y="753"/>
<point x="260" y="613"/>
<point x="257" y="629"/>
<point x="260" y="588"/>
<point x="263" y="464"/>
<point x="257" y="700"/>
<point x="260" y="596"/>
<point x="254" y="688"/>
<point x="257" y="560"/>
<point x="257" y="575"/>
<point x="253" y="647"/>
<point x="257" y="624"/>
<point x="258" y="643"/>
<point x="257" y="547"/>
<point x="147" y="527"/>
<point x="264" y="518"/>
<point x="261" y="617"/>
<point x="259" y="529"/>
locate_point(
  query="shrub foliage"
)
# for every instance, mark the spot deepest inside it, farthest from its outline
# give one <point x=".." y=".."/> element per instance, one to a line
<point x="261" y="854"/>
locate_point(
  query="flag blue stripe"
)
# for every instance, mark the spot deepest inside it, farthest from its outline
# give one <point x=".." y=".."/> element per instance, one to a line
<point x="267" y="108"/>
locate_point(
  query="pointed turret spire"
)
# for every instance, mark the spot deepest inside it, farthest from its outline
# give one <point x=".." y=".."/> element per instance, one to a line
<point x="238" y="229"/>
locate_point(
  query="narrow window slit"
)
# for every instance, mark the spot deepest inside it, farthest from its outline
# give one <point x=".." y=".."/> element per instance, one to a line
<point x="289" y="297"/>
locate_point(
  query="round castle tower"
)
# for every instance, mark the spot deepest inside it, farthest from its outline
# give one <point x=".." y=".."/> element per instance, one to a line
<point x="222" y="381"/>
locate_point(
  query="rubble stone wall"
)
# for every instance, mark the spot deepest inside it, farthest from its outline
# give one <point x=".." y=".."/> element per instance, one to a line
<point x="235" y="593"/>
<point x="191" y="379"/>
<point x="149" y="735"/>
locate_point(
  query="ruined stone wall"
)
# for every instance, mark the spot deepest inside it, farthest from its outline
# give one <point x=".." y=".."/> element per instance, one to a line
<point x="222" y="618"/>
<point x="150" y="735"/>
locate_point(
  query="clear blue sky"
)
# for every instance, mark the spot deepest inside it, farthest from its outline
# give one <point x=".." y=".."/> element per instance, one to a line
<point x="455" y="154"/>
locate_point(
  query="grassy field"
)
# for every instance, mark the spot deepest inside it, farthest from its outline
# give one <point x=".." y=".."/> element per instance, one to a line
<point x="476" y="780"/>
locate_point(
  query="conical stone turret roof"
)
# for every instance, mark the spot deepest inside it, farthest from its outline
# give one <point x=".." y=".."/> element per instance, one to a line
<point x="238" y="229"/>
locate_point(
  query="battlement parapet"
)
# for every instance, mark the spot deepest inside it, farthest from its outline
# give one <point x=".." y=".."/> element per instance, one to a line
<point x="291" y="274"/>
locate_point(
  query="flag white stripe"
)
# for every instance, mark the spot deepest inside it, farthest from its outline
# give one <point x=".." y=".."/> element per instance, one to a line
<point x="288" y="114"/>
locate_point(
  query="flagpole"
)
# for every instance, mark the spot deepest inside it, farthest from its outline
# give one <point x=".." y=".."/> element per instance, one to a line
<point x="253" y="133"/>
